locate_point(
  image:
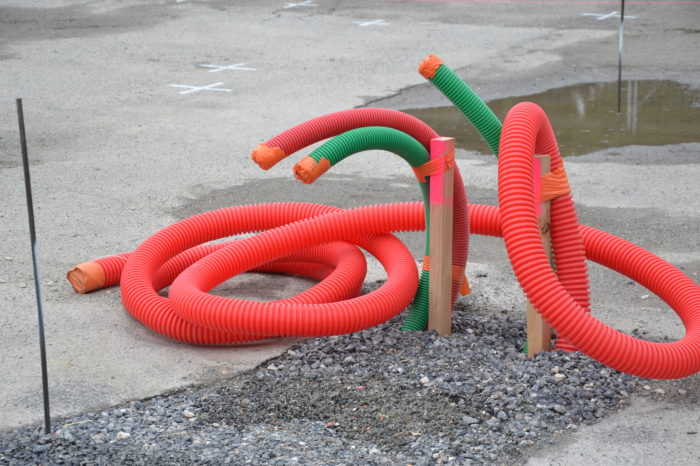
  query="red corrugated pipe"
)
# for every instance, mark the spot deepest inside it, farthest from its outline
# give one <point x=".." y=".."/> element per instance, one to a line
<point x="269" y="153"/>
<point x="526" y="131"/>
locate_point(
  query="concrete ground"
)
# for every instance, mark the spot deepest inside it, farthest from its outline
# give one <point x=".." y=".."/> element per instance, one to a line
<point x="118" y="152"/>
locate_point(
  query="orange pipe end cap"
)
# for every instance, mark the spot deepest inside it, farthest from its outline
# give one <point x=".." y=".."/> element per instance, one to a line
<point x="308" y="170"/>
<point x="267" y="157"/>
<point x="86" y="277"/>
<point x="429" y="66"/>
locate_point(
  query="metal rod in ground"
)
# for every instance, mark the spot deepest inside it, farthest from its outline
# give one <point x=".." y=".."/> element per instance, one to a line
<point x="619" y="56"/>
<point x="35" y="262"/>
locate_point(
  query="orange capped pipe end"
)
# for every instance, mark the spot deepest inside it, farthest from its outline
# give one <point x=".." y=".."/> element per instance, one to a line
<point x="308" y="170"/>
<point x="86" y="277"/>
<point x="267" y="157"/>
<point x="429" y="66"/>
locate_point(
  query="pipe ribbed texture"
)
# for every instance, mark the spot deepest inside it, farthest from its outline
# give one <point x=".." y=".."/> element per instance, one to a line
<point x="562" y="300"/>
<point x="322" y="242"/>
<point x="567" y="250"/>
<point x="317" y="129"/>
<point x="190" y="314"/>
<point x="470" y="104"/>
<point x="327" y="126"/>
<point x="637" y="357"/>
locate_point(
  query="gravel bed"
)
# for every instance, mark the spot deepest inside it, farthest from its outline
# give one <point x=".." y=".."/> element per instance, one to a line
<point x="380" y="396"/>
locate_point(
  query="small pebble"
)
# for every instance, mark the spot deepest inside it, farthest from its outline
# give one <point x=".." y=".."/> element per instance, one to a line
<point x="122" y="435"/>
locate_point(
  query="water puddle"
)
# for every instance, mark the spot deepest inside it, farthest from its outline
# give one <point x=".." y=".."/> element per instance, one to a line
<point x="585" y="119"/>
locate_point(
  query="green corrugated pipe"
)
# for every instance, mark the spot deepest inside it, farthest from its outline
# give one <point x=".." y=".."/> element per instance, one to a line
<point x="403" y="145"/>
<point x="470" y="104"/>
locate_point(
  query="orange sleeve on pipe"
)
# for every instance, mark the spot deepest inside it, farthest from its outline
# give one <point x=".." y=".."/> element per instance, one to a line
<point x="266" y="156"/>
<point x="429" y="66"/>
<point x="308" y="170"/>
<point x="434" y="167"/>
<point x="86" y="277"/>
<point x="554" y="184"/>
<point x="457" y="275"/>
<point x="465" y="289"/>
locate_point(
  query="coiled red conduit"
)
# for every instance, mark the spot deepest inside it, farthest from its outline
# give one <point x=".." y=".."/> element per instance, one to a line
<point x="190" y="314"/>
<point x="327" y="126"/>
<point x="637" y="357"/>
<point x="526" y="131"/>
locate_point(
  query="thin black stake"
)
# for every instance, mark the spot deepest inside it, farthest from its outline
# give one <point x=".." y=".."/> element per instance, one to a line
<point x="35" y="262"/>
<point x="619" y="56"/>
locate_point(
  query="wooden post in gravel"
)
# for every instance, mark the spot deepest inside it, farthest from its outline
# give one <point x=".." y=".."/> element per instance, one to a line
<point x="441" y="211"/>
<point x="539" y="333"/>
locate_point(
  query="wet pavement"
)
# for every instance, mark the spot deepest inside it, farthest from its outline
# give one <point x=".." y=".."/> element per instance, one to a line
<point x="653" y="113"/>
<point x="119" y="152"/>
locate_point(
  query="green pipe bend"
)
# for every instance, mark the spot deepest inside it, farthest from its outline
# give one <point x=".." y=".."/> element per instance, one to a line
<point x="413" y="152"/>
<point x="470" y="104"/>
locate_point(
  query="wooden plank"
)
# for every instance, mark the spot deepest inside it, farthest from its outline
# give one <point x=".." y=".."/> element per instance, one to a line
<point x="539" y="332"/>
<point x="441" y="211"/>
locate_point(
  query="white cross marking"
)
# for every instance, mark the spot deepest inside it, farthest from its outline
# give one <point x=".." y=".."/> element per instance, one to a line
<point x="208" y="87"/>
<point x="376" y="22"/>
<point x="296" y="4"/>
<point x="601" y="16"/>
<point x="236" y="66"/>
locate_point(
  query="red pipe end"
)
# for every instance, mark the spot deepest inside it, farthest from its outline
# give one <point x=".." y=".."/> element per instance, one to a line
<point x="267" y="157"/>
<point x="308" y="170"/>
<point x="429" y="67"/>
<point x="86" y="277"/>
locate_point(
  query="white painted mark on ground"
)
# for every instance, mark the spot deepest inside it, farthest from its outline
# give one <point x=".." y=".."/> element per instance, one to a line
<point x="235" y="66"/>
<point x="208" y="87"/>
<point x="603" y="16"/>
<point x="296" y="4"/>
<point x="376" y="22"/>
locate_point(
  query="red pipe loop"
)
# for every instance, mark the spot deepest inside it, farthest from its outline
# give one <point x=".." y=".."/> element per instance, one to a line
<point x="562" y="298"/>
<point x="190" y="314"/>
<point x="317" y="129"/>
<point x="654" y="360"/>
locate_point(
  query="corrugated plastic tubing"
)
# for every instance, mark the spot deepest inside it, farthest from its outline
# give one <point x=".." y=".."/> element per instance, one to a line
<point x="190" y="314"/>
<point x="408" y="148"/>
<point x="644" y="359"/>
<point x="318" y="262"/>
<point x="300" y="136"/>
<point x="526" y="131"/>
<point x="464" y="98"/>
<point x="567" y="245"/>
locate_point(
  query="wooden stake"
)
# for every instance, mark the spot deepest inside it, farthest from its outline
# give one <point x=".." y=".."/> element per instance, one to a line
<point x="441" y="208"/>
<point x="539" y="333"/>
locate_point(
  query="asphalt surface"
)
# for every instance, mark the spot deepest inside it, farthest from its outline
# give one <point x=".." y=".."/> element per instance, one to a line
<point x="118" y="152"/>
